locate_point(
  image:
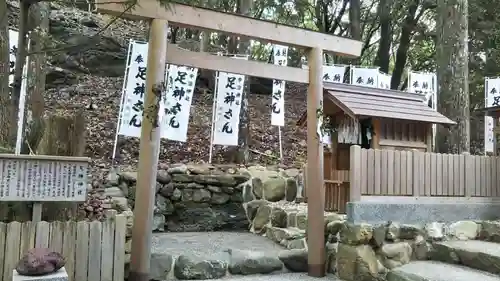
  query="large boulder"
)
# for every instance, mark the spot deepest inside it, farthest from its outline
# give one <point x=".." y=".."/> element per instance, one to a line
<point x="357" y="263"/>
<point x="295" y="260"/>
<point x="274" y="189"/>
<point x="248" y="262"/>
<point x="159" y="266"/>
<point x="194" y="268"/>
<point x="40" y="261"/>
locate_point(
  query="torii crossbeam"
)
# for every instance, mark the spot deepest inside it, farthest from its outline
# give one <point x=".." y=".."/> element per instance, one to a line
<point x="242" y="26"/>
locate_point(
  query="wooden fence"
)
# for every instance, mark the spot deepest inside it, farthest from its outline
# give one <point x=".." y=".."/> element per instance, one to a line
<point x="422" y="174"/>
<point x="94" y="251"/>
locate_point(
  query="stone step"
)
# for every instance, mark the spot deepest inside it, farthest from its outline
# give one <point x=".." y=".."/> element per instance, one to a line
<point x="476" y="254"/>
<point x="438" y="271"/>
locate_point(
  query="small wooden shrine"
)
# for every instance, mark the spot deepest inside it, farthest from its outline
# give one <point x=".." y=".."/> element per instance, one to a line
<point x="372" y="118"/>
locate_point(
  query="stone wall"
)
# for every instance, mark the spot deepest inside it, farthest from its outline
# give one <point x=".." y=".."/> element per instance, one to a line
<point x="205" y="197"/>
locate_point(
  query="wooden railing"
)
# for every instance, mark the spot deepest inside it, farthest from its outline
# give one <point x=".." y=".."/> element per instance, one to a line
<point x="94" y="251"/>
<point x="420" y="174"/>
<point x="336" y="191"/>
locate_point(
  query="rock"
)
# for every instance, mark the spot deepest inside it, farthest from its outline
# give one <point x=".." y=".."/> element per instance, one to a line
<point x="113" y="179"/>
<point x="434" y="230"/>
<point x="357" y="263"/>
<point x="187" y="195"/>
<point x="178" y="169"/>
<point x="218" y="180"/>
<point x="278" y="234"/>
<point x="406" y="231"/>
<point x="400" y="252"/>
<point x="296" y="244"/>
<point x="183" y="178"/>
<point x="203" y="169"/>
<point x="274" y="189"/>
<point x="247" y="191"/>
<point x="129" y="177"/>
<point x="167" y="190"/>
<point x="301" y="220"/>
<point x="356" y="234"/>
<point x="163" y="177"/>
<point x="113" y="192"/>
<point x="394" y="231"/>
<point x="248" y="262"/>
<point x="40" y="261"/>
<point x="334" y="227"/>
<point x="421" y="248"/>
<point x="278" y="217"/>
<point x="120" y="203"/>
<point x="201" y="195"/>
<point x="262" y="218"/>
<point x="219" y="198"/>
<point x="164" y="206"/>
<point x="257" y="188"/>
<point x="214" y="189"/>
<point x="331" y="257"/>
<point x="252" y="207"/>
<point x="294" y="260"/>
<point x="188" y="268"/>
<point x="490" y="231"/>
<point x="194" y="185"/>
<point x="159" y="266"/>
<point x="290" y="189"/>
<point x="379" y="234"/>
<point x="158" y="222"/>
<point x="464" y="230"/>
<point x="176" y="195"/>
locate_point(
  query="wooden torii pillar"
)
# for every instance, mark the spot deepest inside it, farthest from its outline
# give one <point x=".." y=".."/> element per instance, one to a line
<point x="160" y="53"/>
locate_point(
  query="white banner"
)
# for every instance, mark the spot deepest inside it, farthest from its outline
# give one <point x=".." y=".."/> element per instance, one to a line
<point x="180" y="87"/>
<point x="425" y="84"/>
<point x="333" y="73"/>
<point x="384" y="80"/>
<point x="492" y="98"/>
<point x="13" y="36"/>
<point x="367" y="77"/>
<point x="278" y="95"/>
<point x="228" y="106"/>
<point x="133" y="103"/>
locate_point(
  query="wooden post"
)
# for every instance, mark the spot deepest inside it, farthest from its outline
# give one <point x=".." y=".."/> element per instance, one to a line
<point x="354" y="173"/>
<point x="377" y="131"/>
<point x="495" y="134"/>
<point x="36" y="215"/>
<point x="148" y="154"/>
<point x="315" y="181"/>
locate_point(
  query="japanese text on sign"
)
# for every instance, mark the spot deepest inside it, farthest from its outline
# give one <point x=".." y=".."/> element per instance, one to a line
<point x="278" y="97"/>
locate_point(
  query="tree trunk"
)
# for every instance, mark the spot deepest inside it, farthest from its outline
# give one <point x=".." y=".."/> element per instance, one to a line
<point x="243" y="152"/>
<point x="355" y="19"/>
<point x="63" y="136"/>
<point x="36" y="78"/>
<point x="6" y="142"/>
<point x="452" y="75"/>
<point x="404" y="44"/>
<point x="384" y="47"/>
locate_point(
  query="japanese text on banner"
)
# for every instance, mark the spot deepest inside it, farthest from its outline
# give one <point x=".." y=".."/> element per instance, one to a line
<point x="425" y="84"/>
<point x="278" y="95"/>
<point x="180" y="87"/>
<point x="333" y="73"/>
<point x="228" y="107"/>
<point x="133" y="103"/>
<point x="367" y="77"/>
<point x="13" y="35"/>
<point x="492" y="92"/>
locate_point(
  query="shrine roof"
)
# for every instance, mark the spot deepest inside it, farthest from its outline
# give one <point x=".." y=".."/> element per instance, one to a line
<point x="359" y="101"/>
<point x="493" y="111"/>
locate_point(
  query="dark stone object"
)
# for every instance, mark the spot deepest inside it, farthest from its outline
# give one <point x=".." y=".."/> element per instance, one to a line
<point x="40" y="261"/>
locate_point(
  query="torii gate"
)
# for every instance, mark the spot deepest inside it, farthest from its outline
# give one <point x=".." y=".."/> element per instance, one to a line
<point x="160" y="53"/>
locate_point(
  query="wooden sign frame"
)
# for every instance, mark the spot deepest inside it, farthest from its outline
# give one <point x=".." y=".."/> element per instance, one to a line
<point x="242" y="26"/>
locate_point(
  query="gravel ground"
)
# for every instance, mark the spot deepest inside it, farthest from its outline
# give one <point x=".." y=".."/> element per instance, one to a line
<point x="279" y="277"/>
<point x="211" y="244"/>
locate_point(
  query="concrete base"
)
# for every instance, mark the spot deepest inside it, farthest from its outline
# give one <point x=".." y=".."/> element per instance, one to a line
<point x="421" y="212"/>
<point x="60" y="275"/>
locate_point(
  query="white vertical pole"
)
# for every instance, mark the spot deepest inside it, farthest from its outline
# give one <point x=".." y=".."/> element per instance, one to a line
<point x="212" y="128"/>
<point x="122" y="99"/>
<point x="281" y="143"/>
<point x="486" y="118"/>
<point x="22" y="106"/>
